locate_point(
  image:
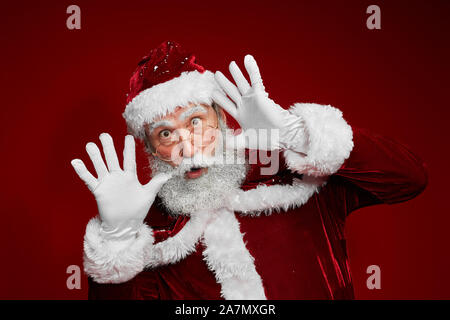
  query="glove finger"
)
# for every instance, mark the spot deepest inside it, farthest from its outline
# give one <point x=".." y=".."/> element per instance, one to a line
<point x="253" y="72"/>
<point x="84" y="174"/>
<point x="96" y="158"/>
<point x="229" y="88"/>
<point x="157" y="182"/>
<point x="239" y="78"/>
<point x="129" y="154"/>
<point x="225" y="103"/>
<point x="110" y="152"/>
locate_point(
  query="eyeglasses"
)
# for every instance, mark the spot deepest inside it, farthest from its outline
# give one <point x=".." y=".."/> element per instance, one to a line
<point x="199" y="133"/>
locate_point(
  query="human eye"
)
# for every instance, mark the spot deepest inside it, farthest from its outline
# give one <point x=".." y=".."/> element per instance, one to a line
<point x="196" y="121"/>
<point x="165" y="134"/>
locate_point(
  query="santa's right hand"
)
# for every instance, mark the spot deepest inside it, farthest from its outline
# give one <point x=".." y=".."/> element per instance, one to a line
<point x="122" y="201"/>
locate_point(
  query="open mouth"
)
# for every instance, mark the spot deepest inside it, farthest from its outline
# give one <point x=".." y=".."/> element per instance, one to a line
<point x="196" y="172"/>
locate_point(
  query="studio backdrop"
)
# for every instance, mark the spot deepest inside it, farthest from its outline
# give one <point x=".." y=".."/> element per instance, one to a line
<point x="65" y="68"/>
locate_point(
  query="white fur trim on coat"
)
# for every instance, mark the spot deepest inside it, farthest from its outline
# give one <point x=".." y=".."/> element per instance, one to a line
<point x="330" y="140"/>
<point x="179" y="246"/>
<point x="266" y="199"/>
<point x="229" y="260"/>
<point x="114" y="261"/>
<point x="163" y="98"/>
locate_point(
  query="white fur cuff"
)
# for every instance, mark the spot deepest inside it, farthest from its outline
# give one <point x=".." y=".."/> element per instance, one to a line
<point x="114" y="261"/>
<point x="330" y="140"/>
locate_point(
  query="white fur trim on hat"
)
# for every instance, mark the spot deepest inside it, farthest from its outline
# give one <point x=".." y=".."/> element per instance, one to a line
<point x="163" y="98"/>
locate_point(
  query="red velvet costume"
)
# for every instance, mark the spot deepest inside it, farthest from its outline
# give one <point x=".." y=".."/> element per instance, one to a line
<point x="299" y="254"/>
<point x="278" y="236"/>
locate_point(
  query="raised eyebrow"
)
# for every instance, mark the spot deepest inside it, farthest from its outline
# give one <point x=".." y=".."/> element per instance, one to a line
<point x="161" y="123"/>
<point x="191" y="111"/>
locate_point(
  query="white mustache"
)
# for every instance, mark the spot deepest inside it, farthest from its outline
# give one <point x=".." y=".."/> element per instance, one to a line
<point x="197" y="161"/>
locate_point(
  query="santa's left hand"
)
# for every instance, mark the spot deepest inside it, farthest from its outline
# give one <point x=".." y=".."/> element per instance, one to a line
<point x="254" y="110"/>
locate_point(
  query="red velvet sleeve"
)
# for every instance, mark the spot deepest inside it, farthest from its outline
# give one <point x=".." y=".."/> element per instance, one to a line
<point x="379" y="170"/>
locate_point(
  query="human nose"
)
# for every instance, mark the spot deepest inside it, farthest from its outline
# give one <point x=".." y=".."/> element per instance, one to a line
<point x="188" y="148"/>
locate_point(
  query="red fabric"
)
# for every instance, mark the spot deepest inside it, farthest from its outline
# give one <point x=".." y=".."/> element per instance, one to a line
<point x="300" y="254"/>
<point x="162" y="64"/>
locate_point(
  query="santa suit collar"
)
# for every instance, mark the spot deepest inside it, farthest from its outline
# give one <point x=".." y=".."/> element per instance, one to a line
<point x="218" y="230"/>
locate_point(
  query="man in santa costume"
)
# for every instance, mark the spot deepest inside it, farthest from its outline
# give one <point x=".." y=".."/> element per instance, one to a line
<point x="214" y="222"/>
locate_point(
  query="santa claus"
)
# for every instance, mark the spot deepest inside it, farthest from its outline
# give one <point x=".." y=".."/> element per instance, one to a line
<point x="215" y="222"/>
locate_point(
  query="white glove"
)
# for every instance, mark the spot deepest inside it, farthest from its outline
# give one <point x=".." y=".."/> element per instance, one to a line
<point x="122" y="201"/>
<point x="253" y="109"/>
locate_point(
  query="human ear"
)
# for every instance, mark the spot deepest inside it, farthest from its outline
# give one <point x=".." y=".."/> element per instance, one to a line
<point x="222" y="114"/>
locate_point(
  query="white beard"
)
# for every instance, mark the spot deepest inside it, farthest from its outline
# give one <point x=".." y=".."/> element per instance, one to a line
<point x="181" y="196"/>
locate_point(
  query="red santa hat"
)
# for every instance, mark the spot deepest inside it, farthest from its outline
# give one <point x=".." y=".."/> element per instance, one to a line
<point x="164" y="79"/>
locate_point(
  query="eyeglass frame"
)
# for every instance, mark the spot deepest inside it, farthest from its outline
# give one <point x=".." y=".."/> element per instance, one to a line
<point x="155" y="151"/>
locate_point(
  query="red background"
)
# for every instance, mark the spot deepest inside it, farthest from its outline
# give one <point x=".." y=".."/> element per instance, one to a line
<point x="61" y="88"/>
